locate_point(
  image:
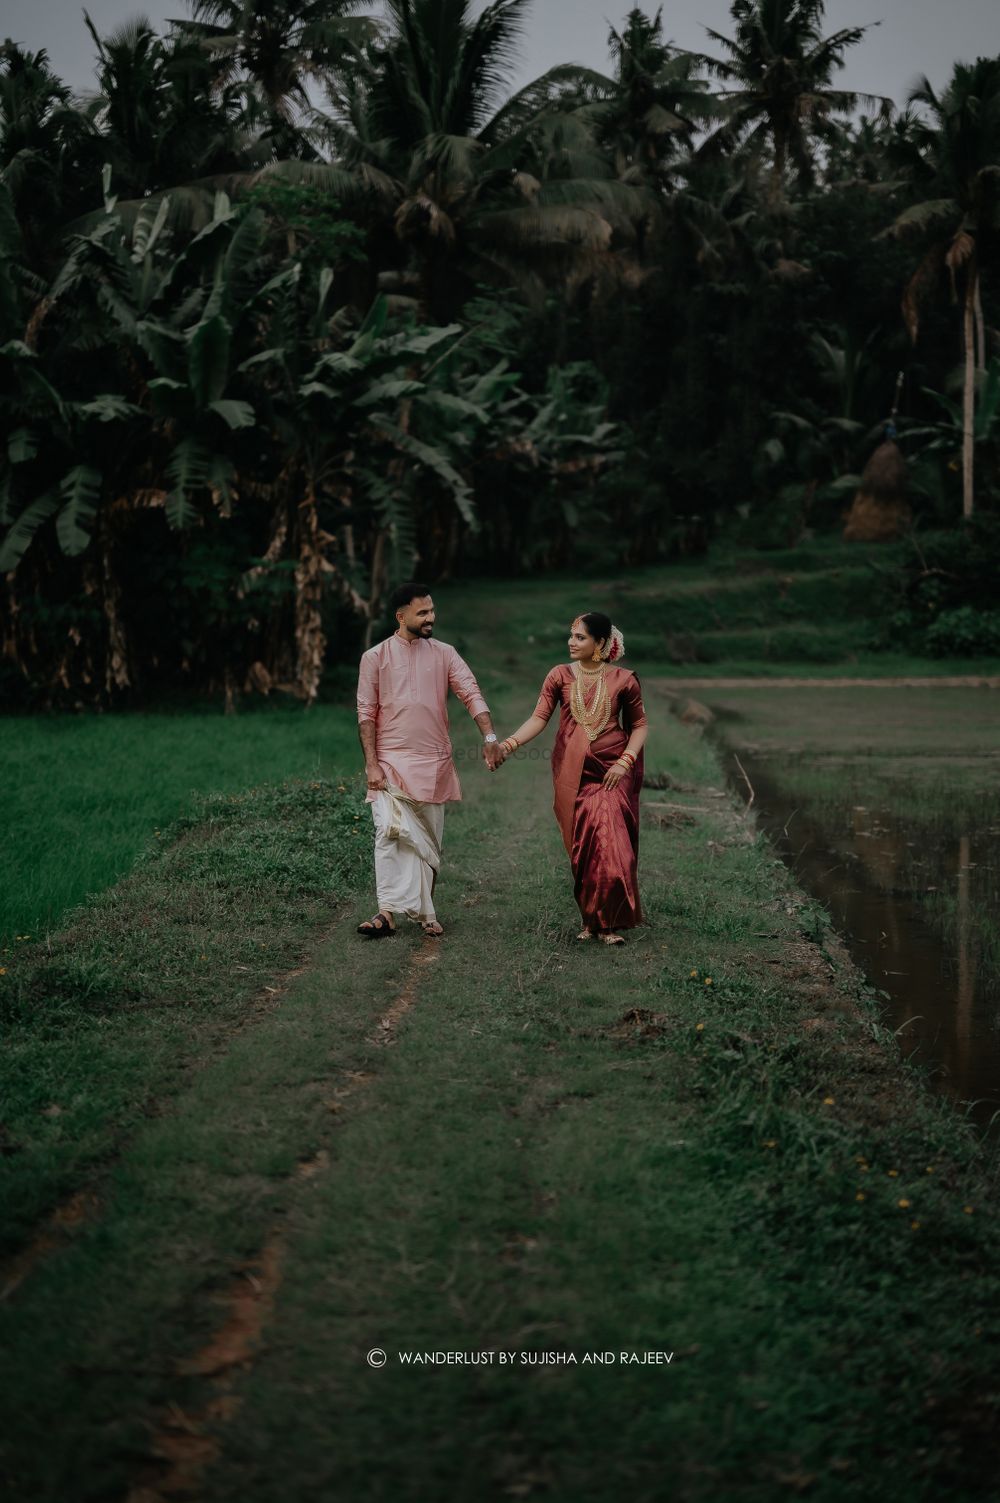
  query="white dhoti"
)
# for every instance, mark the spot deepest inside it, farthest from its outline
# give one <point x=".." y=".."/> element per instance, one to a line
<point x="408" y="838"/>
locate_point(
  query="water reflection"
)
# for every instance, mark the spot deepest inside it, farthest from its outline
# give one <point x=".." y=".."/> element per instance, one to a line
<point x="916" y="902"/>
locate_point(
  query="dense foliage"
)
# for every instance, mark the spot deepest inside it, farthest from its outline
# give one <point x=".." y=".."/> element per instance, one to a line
<point x="300" y="301"/>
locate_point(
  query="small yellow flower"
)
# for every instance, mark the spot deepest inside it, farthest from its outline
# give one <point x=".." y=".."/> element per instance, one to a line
<point x="770" y="1142"/>
<point x="892" y="1173"/>
<point x="864" y="1168"/>
<point x="904" y="1203"/>
<point x="694" y="973"/>
<point x="929" y="1169"/>
<point x="860" y="1195"/>
<point x="914" y="1225"/>
<point x="967" y="1210"/>
<point x="828" y="1101"/>
<point x="341" y="788"/>
<point x="698" y="1027"/>
<point x="708" y="981"/>
<point x="3" y="970"/>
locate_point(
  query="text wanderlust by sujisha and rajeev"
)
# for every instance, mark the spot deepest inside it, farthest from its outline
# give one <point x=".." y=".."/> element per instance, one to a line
<point x="534" y="1359"/>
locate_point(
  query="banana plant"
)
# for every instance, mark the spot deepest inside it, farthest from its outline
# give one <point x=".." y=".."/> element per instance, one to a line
<point x="947" y="435"/>
<point x="944" y="441"/>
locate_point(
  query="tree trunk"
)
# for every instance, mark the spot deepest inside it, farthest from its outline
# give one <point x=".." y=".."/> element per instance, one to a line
<point x="980" y="328"/>
<point x="777" y="184"/>
<point x="969" y="394"/>
<point x="376" y="590"/>
<point x="310" y="639"/>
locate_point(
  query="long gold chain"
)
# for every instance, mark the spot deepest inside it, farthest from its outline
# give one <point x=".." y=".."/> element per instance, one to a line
<point x="595" y="716"/>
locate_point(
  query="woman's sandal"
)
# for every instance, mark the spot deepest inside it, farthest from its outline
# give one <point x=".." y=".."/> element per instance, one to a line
<point x="612" y="939"/>
<point x="585" y="934"/>
<point x="378" y="927"/>
<point x="433" y="933"/>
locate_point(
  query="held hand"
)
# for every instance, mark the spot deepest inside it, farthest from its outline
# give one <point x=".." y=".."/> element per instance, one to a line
<point x="493" y="755"/>
<point x="376" y="777"/>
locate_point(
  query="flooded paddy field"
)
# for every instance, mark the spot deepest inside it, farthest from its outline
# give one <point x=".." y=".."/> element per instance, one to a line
<point x="885" y="803"/>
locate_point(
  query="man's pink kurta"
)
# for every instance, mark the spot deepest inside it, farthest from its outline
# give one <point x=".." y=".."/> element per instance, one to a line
<point x="403" y="687"/>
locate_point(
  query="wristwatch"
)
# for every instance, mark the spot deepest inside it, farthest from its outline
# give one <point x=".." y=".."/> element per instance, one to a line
<point x="489" y="737"/>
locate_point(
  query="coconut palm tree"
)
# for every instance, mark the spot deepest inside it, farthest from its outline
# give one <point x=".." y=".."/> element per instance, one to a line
<point x="41" y="136"/>
<point x="165" y="127"/>
<point x="651" y="104"/>
<point x="156" y="118"/>
<point x="958" y="163"/>
<point x="472" y="184"/>
<point x="280" y="47"/>
<point x="778" y="67"/>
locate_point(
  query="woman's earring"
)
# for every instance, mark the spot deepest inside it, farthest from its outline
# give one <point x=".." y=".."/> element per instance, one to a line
<point x="597" y="655"/>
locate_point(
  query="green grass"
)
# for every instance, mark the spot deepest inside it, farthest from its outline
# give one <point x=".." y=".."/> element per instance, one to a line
<point x="814" y="609"/>
<point x="106" y="1016"/>
<point x="918" y="772"/>
<point x="565" y="1149"/>
<point x="808" y="610"/>
<point x="84" y="794"/>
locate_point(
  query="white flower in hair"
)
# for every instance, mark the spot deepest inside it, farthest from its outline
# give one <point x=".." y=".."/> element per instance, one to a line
<point x="614" y="647"/>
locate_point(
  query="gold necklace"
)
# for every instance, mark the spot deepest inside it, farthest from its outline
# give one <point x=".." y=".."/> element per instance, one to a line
<point x="595" y="716"/>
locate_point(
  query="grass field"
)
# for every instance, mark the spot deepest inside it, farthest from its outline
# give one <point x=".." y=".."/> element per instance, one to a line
<point x="86" y="793"/>
<point x="265" y="1163"/>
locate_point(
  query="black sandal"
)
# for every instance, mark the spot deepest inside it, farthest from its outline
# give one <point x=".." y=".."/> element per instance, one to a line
<point x="376" y="928"/>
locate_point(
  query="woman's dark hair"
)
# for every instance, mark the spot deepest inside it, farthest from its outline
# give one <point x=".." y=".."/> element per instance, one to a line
<point x="598" y="625"/>
<point x="404" y="593"/>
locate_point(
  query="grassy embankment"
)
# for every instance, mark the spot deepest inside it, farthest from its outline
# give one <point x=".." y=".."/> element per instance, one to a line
<point x="923" y="768"/>
<point x="817" y="609"/>
<point x="564" y="1149"/>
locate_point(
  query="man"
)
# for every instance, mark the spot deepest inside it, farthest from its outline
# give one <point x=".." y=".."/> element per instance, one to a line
<point x="403" y="688"/>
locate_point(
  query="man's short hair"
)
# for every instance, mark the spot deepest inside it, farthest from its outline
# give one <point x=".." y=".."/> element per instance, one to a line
<point x="404" y="593"/>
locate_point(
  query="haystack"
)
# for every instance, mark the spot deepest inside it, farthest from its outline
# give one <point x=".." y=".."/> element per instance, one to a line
<point x="880" y="510"/>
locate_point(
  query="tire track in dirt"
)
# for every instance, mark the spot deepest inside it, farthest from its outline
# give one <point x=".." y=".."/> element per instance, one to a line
<point x="184" y="1442"/>
<point x="83" y="1206"/>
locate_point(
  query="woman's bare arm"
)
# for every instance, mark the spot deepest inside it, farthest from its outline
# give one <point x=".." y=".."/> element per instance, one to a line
<point x="532" y="727"/>
<point x="637" y="740"/>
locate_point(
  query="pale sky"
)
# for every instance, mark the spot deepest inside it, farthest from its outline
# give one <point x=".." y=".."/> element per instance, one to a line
<point x="915" y="36"/>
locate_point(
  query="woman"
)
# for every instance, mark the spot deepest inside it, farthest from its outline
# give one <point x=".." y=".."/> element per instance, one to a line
<point x="596" y="772"/>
